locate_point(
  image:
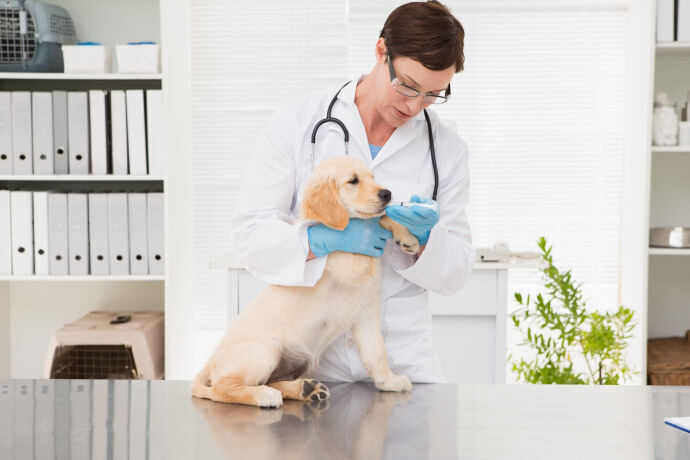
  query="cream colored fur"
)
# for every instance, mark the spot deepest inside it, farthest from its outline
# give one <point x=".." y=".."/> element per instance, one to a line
<point x="284" y="331"/>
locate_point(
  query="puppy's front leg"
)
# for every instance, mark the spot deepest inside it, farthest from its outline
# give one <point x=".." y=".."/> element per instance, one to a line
<point x="367" y="334"/>
<point x="401" y="235"/>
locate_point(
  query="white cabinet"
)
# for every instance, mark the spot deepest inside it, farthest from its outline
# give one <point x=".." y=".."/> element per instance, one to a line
<point x="469" y="327"/>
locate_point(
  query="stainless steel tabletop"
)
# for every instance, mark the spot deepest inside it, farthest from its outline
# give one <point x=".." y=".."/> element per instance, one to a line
<point x="83" y="419"/>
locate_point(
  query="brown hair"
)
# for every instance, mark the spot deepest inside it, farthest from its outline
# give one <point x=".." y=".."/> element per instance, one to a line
<point x="426" y="32"/>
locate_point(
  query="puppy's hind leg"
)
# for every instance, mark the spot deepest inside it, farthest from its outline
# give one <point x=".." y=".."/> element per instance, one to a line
<point x="200" y="386"/>
<point x="242" y="380"/>
<point x="230" y="389"/>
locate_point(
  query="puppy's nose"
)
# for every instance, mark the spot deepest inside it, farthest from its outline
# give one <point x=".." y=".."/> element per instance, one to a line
<point x="385" y="195"/>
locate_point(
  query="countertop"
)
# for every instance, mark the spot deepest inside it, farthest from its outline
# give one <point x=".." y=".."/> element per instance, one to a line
<point x="227" y="261"/>
<point x="159" y="419"/>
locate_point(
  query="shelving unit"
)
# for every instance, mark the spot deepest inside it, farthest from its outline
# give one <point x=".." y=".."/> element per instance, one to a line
<point x="672" y="149"/>
<point x="62" y="278"/>
<point x="668" y="252"/>
<point x="672" y="48"/>
<point x="77" y="76"/>
<point x="85" y="178"/>
<point x="32" y="307"/>
<point x="669" y="268"/>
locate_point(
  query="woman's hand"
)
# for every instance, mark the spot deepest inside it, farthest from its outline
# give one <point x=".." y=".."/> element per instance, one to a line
<point x="419" y="220"/>
<point x="361" y="236"/>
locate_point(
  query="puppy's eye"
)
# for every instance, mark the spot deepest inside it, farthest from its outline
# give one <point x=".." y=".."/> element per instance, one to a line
<point x="353" y="181"/>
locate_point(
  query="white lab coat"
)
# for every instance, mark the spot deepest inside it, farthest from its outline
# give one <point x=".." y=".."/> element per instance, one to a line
<point x="273" y="245"/>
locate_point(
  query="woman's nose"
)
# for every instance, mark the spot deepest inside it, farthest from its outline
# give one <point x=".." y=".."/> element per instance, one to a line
<point x="414" y="104"/>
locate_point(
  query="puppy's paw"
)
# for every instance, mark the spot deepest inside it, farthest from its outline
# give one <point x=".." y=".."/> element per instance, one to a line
<point x="313" y="390"/>
<point x="394" y="383"/>
<point x="268" y="397"/>
<point x="408" y="243"/>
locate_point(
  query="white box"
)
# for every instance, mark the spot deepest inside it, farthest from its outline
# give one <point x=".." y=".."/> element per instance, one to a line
<point x="86" y="58"/>
<point x="143" y="58"/>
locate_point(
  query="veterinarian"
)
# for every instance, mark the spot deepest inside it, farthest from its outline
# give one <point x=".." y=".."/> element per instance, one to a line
<point x="384" y="115"/>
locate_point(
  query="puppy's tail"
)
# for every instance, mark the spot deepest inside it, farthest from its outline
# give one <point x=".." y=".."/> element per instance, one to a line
<point x="201" y="385"/>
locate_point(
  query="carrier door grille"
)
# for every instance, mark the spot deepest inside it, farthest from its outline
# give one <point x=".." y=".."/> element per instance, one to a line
<point x="93" y="362"/>
<point x="16" y="47"/>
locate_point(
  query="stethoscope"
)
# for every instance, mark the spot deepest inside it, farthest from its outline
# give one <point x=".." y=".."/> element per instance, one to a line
<point x="346" y="135"/>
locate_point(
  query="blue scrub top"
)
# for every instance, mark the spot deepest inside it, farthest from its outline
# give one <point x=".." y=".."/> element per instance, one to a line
<point x="375" y="149"/>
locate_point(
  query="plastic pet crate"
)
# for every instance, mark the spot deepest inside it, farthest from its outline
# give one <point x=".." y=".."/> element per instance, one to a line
<point x="108" y="345"/>
<point x="31" y="36"/>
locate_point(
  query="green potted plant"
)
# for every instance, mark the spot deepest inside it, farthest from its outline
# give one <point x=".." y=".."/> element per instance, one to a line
<point x="557" y="326"/>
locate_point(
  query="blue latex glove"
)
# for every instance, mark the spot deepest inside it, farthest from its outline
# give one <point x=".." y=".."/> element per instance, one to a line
<point x="361" y="236"/>
<point x="417" y="219"/>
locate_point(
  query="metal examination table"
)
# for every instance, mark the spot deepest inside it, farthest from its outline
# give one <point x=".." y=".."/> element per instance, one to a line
<point x="84" y="419"/>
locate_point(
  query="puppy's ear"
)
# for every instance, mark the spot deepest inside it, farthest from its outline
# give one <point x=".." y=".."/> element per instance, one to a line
<point x="322" y="204"/>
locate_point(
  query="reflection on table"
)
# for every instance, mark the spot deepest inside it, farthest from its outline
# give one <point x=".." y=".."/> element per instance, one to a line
<point x="118" y="419"/>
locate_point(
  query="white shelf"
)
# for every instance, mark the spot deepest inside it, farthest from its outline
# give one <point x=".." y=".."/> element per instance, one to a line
<point x="77" y="76"/>
<point x="82" y="278"/>
<point x="672" y="149"/>
<point x="669" y="252"/>
<point x="77" y="178"/>
<point x="673" y="48"/>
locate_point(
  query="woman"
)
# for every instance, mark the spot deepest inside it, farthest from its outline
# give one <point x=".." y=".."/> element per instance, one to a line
<point x="419" y="50"/>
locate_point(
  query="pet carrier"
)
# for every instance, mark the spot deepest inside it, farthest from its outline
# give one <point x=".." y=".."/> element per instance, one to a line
<point x="108" y="345"/>
<point x="31" y="36"/>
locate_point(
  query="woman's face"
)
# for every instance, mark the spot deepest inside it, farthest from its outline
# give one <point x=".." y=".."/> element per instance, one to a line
<point x="395" y="108"/>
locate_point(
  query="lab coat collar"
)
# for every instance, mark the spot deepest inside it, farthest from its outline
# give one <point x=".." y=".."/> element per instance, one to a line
<point x="347" y="95"/>
<point x="402" y="135"/>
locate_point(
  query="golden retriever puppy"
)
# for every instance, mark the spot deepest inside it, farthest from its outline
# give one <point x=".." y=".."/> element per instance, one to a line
<point x="284" y="331"/>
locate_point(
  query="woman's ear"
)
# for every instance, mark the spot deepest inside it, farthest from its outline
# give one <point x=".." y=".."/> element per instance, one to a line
<point x="322" y="204"/>
<point x="380" y="50"/>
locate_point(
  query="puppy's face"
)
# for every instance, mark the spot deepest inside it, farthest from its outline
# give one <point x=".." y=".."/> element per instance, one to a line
<point x="340" y="188"/>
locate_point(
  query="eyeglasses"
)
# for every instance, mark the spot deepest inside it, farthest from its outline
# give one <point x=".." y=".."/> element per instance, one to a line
<point x="405" y="90"/>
